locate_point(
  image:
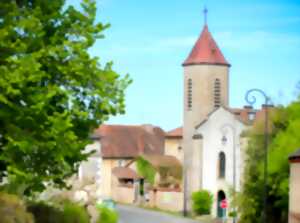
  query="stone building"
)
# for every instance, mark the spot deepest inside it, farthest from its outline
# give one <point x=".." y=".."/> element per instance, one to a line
<point x="210" y="143"/>
<point x="121" y="144"/>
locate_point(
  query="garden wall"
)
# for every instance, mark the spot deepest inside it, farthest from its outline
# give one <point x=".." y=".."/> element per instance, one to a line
<point x="123" y="194"/>
<point x="169" y="200"/>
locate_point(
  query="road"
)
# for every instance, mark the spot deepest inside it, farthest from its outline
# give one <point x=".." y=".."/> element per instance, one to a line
<point x="131" y="214"/>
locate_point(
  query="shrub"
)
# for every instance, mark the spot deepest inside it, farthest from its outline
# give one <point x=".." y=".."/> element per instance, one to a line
<point x="68" y="213"/>
<point x="75" y="213"/>
<point x="13" y="210"/>
<point x="107" y="216"/>
<point x="232" y="214"/>
<point x="202" y="202"/>
<point x="45" y="213"/>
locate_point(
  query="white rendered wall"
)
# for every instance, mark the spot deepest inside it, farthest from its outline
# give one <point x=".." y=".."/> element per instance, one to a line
<point x="212" y="134"/>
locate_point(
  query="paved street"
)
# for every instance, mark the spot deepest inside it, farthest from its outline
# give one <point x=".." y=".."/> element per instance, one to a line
<point x="130" y="214"/>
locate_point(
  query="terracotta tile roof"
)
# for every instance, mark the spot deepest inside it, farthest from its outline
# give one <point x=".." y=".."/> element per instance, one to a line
<point x="162" y="160"/>
<point x="125" y="173"/>
<point x="129" y="141"/>
<point x="248" y="115"/>
<point x="206" y="51"/>
<point x="174" y="133"/>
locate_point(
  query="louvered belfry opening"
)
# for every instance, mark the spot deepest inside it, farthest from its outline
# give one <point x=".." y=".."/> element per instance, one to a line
<point x="217" y="93"/>
<point x="189" y="94"/>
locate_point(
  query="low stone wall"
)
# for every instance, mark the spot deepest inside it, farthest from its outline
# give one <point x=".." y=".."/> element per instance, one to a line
<point x="123" y="194"/>
<point x="171" y="200"/>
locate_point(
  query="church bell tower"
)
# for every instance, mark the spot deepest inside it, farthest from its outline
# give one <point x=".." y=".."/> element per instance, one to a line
<point x="206" y="87"/>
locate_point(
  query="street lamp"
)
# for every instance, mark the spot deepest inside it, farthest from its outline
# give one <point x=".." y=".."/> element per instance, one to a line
<point x="251" y="99"/>
<point x="224" y="140"/>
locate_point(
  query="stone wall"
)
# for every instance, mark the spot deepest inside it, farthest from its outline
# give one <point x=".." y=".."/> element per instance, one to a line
<point x="167" y="200"/>
<point x="123" y="194"/>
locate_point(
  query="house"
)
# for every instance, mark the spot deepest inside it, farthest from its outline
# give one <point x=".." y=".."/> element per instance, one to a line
<point x="120" y="146"/>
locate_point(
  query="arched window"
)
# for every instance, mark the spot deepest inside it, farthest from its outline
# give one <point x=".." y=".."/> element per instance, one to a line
<point x="222" y="165"/>
<point x="189" y="94"/>
<point x="217" y="93"/>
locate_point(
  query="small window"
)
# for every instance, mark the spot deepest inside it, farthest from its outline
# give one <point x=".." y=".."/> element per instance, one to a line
<point x="217" y="93"/>
<point x="189" y="94"/>
<point x="121" y="163"/>
<point x="222" y="165"/>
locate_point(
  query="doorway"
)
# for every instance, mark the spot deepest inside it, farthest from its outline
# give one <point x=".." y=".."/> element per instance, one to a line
<point x="221" y="213"/>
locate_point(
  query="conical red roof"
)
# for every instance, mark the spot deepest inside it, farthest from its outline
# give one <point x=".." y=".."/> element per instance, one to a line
<point x="206" y="51"/>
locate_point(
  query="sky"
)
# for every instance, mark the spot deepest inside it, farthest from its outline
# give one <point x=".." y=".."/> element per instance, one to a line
<point x="149" y="40"/>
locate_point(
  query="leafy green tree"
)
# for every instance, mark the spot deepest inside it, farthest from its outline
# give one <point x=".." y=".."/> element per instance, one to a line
<point x="145" y="169"/>
<point x="52" y="92"/>
<point x="284" y="139"/>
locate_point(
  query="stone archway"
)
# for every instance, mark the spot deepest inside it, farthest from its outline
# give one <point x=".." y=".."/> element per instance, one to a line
<point x="220" y="212"/>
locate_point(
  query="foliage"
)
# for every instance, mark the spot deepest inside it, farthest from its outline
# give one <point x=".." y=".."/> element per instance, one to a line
<point x="146" y="170"/>
<point x="202" y="202"/>
<point x="284" y="139"/>
<point x="52" y="92"/>
<point x="107" y="216"/>
<point x="75" y="213"/>
<point x="45" y="213"/>
<point x="66" y="212"/>
<point x="174" y="171"/>
<point x="13" y="210"/>
<point x="233" y="214"/>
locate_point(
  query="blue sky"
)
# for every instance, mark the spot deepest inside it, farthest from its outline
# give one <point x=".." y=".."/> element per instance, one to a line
<point x="150" y="40"/>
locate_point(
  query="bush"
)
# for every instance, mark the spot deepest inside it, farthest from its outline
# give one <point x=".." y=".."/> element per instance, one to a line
<point x="75" y="213"/>
<point x="68" y="213"/>
<point x="107" y="216"/>
<point x="202" y="202"/>
<point x="13" y="210"/>
<point x="45" y="213"/>
<point x="232" y="214"/>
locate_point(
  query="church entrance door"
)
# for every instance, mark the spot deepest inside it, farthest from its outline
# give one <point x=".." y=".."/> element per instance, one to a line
<point x="221" y="213"/>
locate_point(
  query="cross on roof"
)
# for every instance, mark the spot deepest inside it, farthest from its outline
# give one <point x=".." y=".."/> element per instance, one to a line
<point x="205" y="11"/>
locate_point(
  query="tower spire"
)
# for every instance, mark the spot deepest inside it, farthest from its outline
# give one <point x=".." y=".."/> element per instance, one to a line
<point x="205" y="11"/>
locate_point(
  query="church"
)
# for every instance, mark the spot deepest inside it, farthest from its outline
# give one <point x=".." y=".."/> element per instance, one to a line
<point x="211" y="143"/>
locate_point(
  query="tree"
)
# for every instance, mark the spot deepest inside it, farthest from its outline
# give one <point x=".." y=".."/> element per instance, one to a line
<point x="52" y="92"/>
<point x="285" y="139"/>
<point x="146" y="169"/>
